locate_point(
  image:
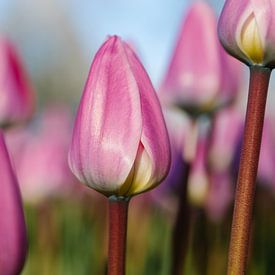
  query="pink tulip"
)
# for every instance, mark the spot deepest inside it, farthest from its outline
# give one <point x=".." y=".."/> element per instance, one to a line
<point x="40" y="156"/>
<point x="120" y="143"/>
<point x="220" y="194"/>
<point x="266" y="172"/>
<point x="226" y="134"/>
<point x="246" y="30"/>
<point x="13" y="241"/>
<point x="17" y="97"/>
<point x="201" y="74"/>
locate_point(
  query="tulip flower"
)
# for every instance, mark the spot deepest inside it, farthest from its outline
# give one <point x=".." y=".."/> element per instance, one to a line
<point x="220" y="194"/>
<point x="40" y="155"/>
<point x="13" y="241"/>
<point x="246" y="31"/>
<point x="17" y="97"/>
<point x="226" y="133"/>
<point x="120" y="143"/>
<point x="267" y="156"/>
<point x="202" y="76"/>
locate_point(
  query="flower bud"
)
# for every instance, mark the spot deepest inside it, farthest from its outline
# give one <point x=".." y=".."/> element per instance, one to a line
<point x="202" y="76"/>
<point x="13" y="240"/>
<point x="246" y="31"/>
<point x="17" y="97"/>
<point x="120" y="143"/>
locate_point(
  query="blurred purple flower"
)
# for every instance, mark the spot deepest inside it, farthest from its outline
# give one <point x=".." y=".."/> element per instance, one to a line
<point x="266" y="171"/>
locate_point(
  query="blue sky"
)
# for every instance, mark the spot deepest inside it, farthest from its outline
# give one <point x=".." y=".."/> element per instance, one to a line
<point x="151" y="25"/>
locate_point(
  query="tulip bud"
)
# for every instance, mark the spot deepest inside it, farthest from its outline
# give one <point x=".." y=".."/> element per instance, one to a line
<point x="17" y="98"/>
<point x="246" y="31"/>
<point x="13" y="241"/>
<point x="120" y="143"/>
<point x="202" y="76"/>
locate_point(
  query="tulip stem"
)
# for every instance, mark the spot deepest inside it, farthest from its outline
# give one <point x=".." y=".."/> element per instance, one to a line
<point x="118" y="214"/>
<point x="180" y="233"/>
<point x="246" y="184"/>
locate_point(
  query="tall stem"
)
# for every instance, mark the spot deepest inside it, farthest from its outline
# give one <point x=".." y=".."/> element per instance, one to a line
<point x="118" y="213"/>
<point x="245" y="190"/>
<point x="181" y="228"/>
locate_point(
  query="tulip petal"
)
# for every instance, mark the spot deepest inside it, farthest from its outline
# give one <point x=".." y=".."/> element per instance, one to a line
<point x="13" y="242"/>
<point x="154" y="136"/>
<point x="108" y="125"/>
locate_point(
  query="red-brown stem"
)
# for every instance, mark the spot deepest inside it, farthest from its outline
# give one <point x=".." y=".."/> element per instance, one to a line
<point x="118" y="213"/>
<point x="180" y="233"/>
<point x="245" y="189"/>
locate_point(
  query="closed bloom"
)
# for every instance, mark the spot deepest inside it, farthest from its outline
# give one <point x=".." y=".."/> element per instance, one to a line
<point x="120" y="143"/>
<point x="246" y="30"/>
<point x="40" y="155"/>
<point x="13" y="241"/>
<point x="16" y="92"/>
<point x="201" y="76"/>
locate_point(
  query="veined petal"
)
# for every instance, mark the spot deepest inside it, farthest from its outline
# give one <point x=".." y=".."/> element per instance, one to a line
<point x="108" y="124"/>
<point x="154" y="136"/>
<point x="13" y="240"/>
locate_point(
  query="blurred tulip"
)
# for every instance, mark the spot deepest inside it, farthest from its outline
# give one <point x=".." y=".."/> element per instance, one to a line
<point x="266" y="172"/>
<point x="17" y="97"/>
<point x="227" y="131"/>
<point x="246" y="30"/>
<point x="201" y="75"/>
<point x="220" y="194"/>
<point x="178" y="125"/>
<point x="13" y="240"/>
<point x="198" y="182"/>
<point x="120" y="143"/>
<point x="40" y="156"/>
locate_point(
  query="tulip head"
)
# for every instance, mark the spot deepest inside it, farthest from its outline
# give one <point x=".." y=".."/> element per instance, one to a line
<point x="17" y="97"/>
<point x="201" y="76"/>
<point x="246" y="31"/>
<point x="13" y="240"/>
<point x="120" y="143"/>
<point x="40" y="155"/>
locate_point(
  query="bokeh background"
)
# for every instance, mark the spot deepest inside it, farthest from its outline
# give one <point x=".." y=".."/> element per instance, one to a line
<point x="66" y="222"/>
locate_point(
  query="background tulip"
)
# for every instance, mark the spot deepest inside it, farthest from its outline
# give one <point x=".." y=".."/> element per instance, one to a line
<point x="246" y="30"/>
<point x="40" y="155"/>
<point x="120" y="144"/>
<point x="13" y="240"/>
<point x="17" y="97"/>
<point x="201" y="76"/>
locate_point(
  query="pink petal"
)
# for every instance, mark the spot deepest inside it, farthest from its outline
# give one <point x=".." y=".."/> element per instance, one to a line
<point x="108" y="124"/>
<point x="154" y="136"/>
<point x="13" y="242"/>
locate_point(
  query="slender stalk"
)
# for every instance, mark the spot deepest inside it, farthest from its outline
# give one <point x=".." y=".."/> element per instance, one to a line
<point x="245" y="189"/>
<point x="118" y="214"/>
<point x="180" y="233"/>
